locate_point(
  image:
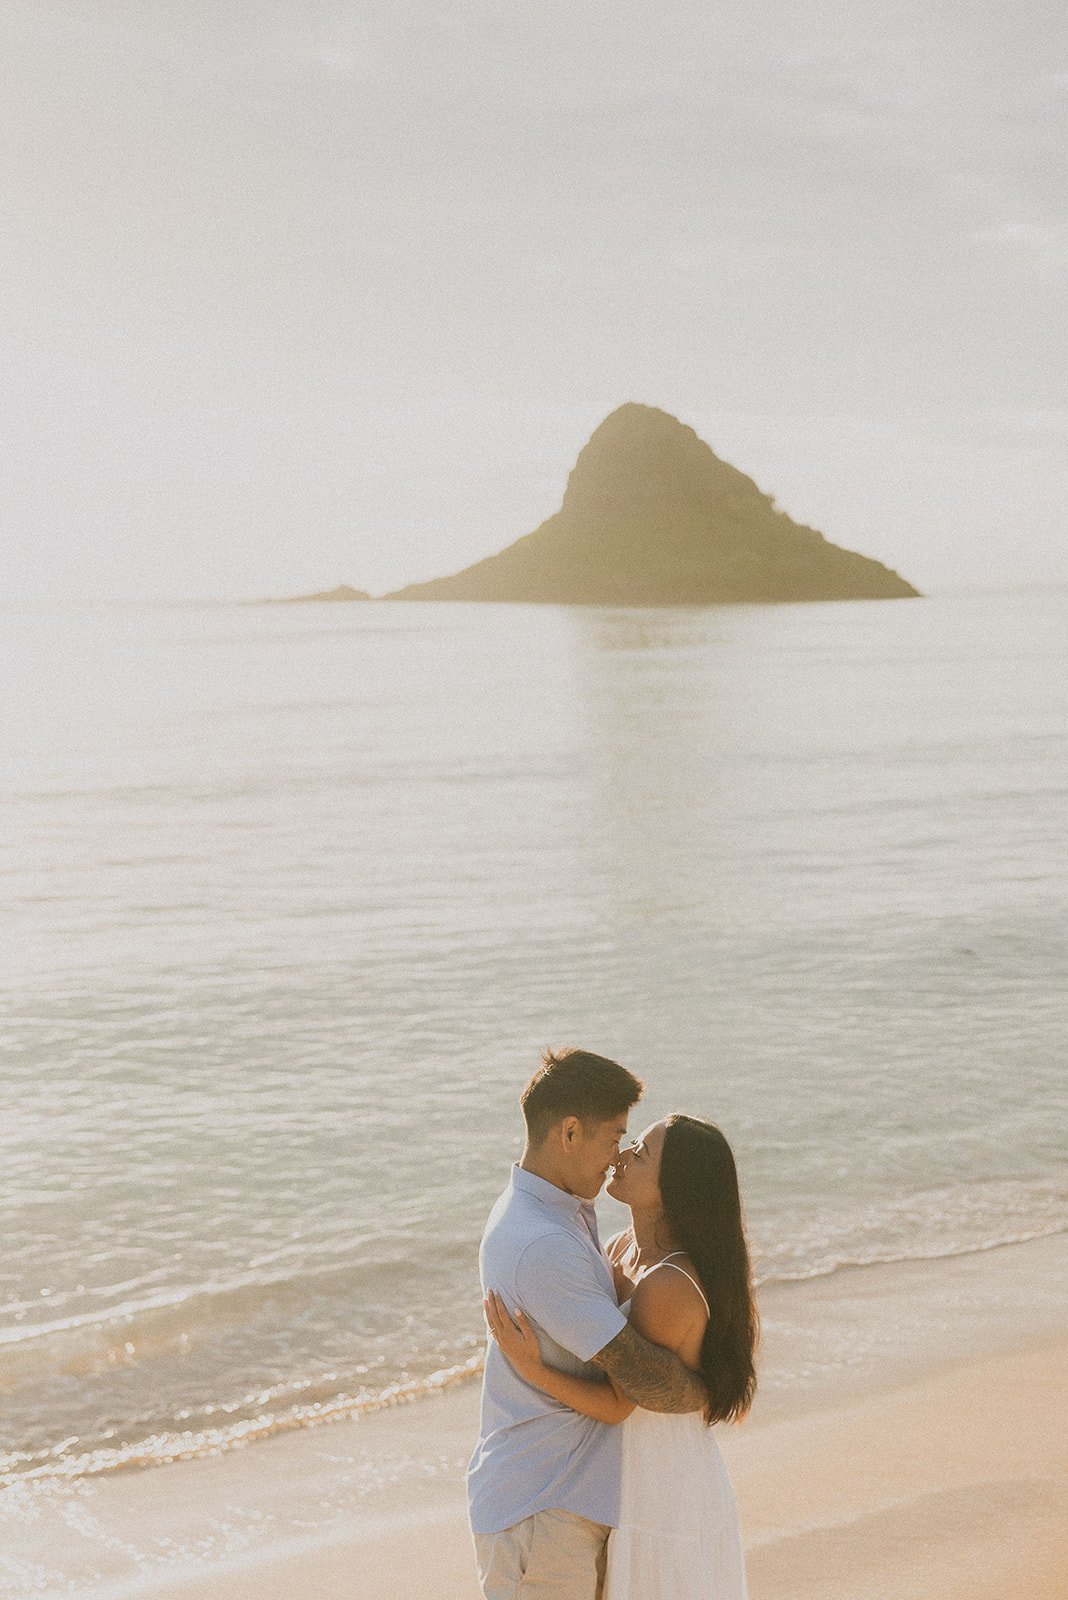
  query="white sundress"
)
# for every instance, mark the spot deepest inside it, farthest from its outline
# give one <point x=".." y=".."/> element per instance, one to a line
<point x="678" y="1536"/>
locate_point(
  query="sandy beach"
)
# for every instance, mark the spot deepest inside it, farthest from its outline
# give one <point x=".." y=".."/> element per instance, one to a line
<point x="928" y="1465"/>
<point x="949" y="1487"/>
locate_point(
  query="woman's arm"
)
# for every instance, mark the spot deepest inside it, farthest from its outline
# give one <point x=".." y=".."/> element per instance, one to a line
<point x="593" y="1397"/>
<point x="615" y="1250"/>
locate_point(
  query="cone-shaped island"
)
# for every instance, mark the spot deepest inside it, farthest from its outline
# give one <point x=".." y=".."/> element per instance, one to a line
<point x="652" y="516"/>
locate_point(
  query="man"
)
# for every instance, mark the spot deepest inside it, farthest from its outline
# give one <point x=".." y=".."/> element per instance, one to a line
<point x="543" y="1483"/>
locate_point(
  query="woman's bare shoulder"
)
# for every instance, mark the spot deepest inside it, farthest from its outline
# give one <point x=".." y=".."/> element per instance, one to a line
<point x="666" y="1304"/>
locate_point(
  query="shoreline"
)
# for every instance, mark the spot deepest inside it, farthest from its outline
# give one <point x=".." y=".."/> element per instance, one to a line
<point x="936" y="1415"/>
<point x="168" y="1448"/>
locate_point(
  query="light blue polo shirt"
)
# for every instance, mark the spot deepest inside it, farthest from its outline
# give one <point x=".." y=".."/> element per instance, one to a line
<point x="541" y="1253"/>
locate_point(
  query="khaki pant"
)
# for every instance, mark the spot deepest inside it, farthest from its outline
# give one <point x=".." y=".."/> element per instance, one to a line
<point x="553" y="1555"/>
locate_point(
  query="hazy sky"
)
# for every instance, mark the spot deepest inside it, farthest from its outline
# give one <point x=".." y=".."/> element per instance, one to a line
<point x="296" y="292"/>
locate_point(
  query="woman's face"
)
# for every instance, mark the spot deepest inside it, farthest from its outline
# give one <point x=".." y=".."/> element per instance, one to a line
<point x="636" y="1179"/>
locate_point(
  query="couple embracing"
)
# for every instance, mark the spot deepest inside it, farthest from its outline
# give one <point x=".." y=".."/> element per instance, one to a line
<point x="596" y="1475"/>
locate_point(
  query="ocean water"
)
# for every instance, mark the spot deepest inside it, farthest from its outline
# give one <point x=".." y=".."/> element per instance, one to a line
<point x="292" y="898"/>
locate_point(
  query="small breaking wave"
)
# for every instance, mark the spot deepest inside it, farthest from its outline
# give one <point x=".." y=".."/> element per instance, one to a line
<point x="926" y="1225"/>
<point x="161" y="1449"/>
<point x="828" y="1268"/>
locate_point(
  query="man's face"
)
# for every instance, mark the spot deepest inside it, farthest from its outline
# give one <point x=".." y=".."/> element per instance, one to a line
<point x="591" y="1148"/>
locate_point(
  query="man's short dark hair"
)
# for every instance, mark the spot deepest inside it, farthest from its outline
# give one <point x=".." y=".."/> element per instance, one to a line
<point x="576" y="1083"/>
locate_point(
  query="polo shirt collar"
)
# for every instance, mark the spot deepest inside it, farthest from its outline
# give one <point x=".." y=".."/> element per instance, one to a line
<point x="572" y="1205"/>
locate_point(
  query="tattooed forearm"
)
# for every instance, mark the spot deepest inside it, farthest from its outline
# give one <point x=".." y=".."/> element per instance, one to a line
<point x="651" y="1376"/>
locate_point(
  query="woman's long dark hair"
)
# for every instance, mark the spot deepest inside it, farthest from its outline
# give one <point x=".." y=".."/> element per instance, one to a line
<point x="699" y="1190"/>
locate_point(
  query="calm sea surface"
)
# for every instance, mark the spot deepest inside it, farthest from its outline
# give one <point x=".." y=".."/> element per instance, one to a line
<point x="292" y="897"/>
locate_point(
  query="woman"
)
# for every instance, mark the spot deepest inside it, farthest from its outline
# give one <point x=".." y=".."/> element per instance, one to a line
<point x="682" y="1276"/>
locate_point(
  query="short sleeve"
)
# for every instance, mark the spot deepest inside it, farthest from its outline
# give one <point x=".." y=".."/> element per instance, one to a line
<point x="557" y="1285"/>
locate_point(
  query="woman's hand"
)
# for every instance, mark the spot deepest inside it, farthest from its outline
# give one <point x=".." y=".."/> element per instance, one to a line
<point x="516" y="1339"/>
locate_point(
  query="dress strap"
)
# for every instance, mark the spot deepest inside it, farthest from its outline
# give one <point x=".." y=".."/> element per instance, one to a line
<point x="666" y="1261"/>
